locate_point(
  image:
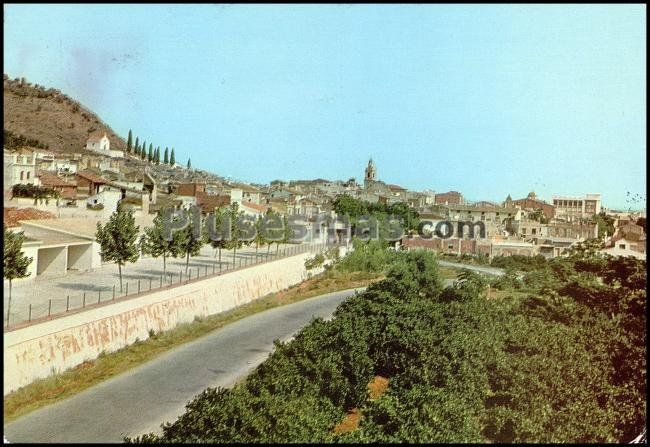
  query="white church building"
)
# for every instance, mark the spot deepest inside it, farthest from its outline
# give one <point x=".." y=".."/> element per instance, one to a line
<point x="102" y="145"/>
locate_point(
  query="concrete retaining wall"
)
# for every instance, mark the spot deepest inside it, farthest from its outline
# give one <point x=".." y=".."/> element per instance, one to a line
<point x="53" y="346"/>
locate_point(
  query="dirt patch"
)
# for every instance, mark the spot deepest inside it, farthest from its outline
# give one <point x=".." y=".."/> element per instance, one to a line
<point x="377" y="387"/>
<point x="350" y="422"/>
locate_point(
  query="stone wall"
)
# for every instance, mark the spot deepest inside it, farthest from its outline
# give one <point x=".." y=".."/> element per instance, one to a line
<point x="53" y="346"/>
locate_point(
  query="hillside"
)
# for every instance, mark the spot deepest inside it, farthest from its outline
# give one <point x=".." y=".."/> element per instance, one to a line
<point x="51" y="118"/>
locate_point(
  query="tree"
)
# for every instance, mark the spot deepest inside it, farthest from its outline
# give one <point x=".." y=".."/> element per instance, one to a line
<point x="172" y="158"/>
<point x="605" y="224"/>
<point x="156" y="157"/>
<point x="235" y="229"/>
<point x="539" y="216"/>
<point x="118" y="239"/>
<point x="150" y="153"/>
<point x="136" y="149"/>
<point x="143" y="151"/>
<point x="189" y="163"/>
<point x="15" y="262"/>
<point x="220" y="225"/>
<point x="259" y="234"/>
<point x="189" y="244"/>
<point x="154" y="243"/>
<point x="166" y="159"/>
<point x="273" y="227"/>
<point x="129" y="142"/>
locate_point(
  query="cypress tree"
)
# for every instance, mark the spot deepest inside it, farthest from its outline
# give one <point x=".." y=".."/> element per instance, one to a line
<point x="150" y="153"/>
<point x="143" y="150"/>
<point x="157" y="155"/>
<point x="172" y="159"/>
<point x="166" y="159"/>
<point x="189" y="163"/>
<point x="129" y="142"/>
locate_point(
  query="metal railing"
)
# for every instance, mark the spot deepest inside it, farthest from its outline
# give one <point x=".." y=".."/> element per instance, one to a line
<point x="31" y="313"/>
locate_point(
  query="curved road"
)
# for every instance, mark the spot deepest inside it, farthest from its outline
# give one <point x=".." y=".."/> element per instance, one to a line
<point x="477" y="268"/>
<point x="139" y="400"/>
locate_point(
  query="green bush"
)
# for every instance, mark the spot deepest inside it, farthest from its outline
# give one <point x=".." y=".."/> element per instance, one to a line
<point x="565" y="364"/>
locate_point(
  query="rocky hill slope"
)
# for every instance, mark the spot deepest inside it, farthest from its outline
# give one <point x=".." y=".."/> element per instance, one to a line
<point x="50" y="118"/>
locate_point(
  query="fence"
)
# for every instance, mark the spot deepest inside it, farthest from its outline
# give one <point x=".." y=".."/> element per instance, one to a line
<point x="54" y="307"/>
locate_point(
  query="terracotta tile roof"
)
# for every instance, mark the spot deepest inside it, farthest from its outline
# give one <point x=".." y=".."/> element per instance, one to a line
<point x="49" y="180"/>
<point x="12" y="216"/>
<point x="92" y="177"/>
<point x="256" y="207"/>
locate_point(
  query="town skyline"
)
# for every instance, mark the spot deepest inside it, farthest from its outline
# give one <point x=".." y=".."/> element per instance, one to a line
<point x="322" y="106"/>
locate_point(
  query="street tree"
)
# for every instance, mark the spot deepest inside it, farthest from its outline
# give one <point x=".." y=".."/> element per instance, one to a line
<point x="118" y="239"/>
<point x="189" y="244"/>
<point x="154" y="243"/>
<point x="15" y="262"/>
<point x="220" y="232"/>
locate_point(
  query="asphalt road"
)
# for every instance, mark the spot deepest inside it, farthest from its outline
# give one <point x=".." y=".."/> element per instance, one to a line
<point x="489" y="270"/>
<point x="139" y="400"/>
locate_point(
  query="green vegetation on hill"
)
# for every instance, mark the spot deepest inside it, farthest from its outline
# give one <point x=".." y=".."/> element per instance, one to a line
<point x="562" y="362"/>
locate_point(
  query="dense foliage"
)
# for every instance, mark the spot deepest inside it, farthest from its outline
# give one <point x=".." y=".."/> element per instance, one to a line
<point x="354" y="209"/>
<point x="563" y="362"/>
<point x="33" y="191"/>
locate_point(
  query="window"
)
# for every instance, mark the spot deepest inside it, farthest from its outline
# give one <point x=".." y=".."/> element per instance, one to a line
<point x="27" y="175"/>
<point x="621" y="246"/>
<point x="22" y="174"/>
<point x="534" y="230"/>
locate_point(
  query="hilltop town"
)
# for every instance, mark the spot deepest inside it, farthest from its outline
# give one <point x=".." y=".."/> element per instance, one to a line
<point x="72" y="181"/>
<point x="324" y="224"/>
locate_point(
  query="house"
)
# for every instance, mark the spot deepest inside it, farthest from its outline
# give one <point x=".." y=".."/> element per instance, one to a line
<point x="253" y="209"/>
<point x="249" y="193"/>
<point x="100" y="144"/>
<point x="449" y="198"/>
<point x="190" y="189"/>
<point x="20" y="167"/>
<point x="573" y="208"/>
<point x="108" y="197"/>
<point x="531" y="204"/>
<point x="65" y="189"/>
<point x="208" y="202"/>
<point x="89" y="183"/>
<point x="531" y="229"/>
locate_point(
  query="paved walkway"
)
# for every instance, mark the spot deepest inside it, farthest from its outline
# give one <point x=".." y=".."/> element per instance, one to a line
<point x="141" y="399"/>
<point x="98" y="284"/>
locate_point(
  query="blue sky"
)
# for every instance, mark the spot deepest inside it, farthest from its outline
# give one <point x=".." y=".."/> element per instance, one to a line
<point x="486" y="100"/>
